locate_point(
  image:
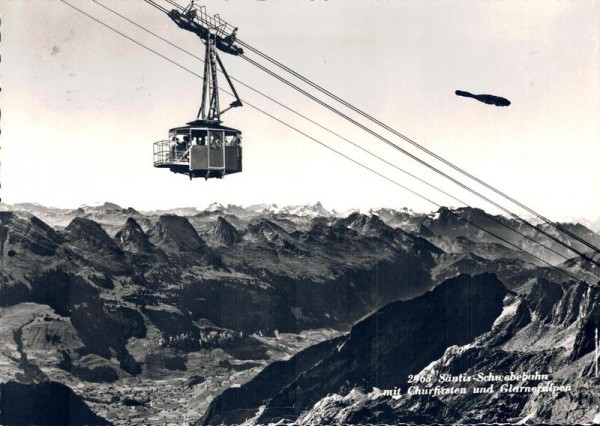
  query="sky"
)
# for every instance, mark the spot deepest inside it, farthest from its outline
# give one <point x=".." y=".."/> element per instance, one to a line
<point x="82" y="105"/>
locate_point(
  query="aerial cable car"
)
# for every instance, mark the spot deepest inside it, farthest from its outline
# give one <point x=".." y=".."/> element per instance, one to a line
<point x="204" y="147"/>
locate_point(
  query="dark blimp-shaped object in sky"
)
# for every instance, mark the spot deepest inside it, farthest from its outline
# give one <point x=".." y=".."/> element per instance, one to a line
<point x="486" y="99"/>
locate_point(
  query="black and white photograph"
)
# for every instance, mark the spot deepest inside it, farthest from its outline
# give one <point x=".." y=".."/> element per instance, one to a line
<point x="318" y="212"/>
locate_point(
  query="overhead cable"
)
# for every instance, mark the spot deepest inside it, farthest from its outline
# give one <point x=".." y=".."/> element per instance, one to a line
<point x="556" y="225"/>
<point x="562" y="271"/>
<point x="337" y="134"/>
<point x="421" y="161"/>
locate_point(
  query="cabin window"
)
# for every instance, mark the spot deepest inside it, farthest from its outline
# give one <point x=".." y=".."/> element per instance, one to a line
<point x="233" y="139"/>
<point x="215" y="140"/>
<point x="199" y="137"/>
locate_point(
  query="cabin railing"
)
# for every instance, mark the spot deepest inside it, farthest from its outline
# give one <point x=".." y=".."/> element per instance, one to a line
<point x="168" y="152"/>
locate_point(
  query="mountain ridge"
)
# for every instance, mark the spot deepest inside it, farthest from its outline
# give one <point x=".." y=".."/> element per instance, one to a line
<point x="112" y="296"/>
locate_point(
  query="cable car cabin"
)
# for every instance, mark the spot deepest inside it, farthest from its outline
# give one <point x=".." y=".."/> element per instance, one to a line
<point x="203" y="148"/>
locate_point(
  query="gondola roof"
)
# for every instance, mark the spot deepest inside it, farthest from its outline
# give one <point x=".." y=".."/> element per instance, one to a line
<point x="205" y="123"/>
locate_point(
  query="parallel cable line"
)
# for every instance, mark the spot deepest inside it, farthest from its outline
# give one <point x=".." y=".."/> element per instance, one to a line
<point x="421" y="161"/>
<point x="352" y="107"/>
<point x="562" y="271"/>
<point x="556" y="225"/>
<point x="337" y="134"/>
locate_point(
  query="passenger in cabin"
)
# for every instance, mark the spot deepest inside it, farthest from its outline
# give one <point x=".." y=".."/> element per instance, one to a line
<point x="180" y="143"/>
<point x="215" y="142"/>
<point x="183" y="146"/>
<point x="173" y="150"/>
<point x="233" y="140"/>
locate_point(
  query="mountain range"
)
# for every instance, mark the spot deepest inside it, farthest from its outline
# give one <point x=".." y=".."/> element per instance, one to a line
<point x="232" y="314"/>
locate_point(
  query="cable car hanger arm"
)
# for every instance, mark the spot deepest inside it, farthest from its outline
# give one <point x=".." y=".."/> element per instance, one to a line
<point x="238" y="101"/>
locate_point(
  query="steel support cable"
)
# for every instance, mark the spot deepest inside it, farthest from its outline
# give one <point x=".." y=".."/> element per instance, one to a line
<point x="290" y="109"/>
<point x="556" y="225"/>
<point x="338" y="135"/>
<point x="332" y="149"/>
<point x="175" y="4"/>
<point x="535" y="228"/>
<point x="419" y="160"/>
<point x="412" y="142"/>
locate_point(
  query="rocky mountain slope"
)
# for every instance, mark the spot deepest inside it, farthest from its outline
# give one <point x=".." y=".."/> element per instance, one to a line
<point x="43" y="403"/>
<point x="384" y="348"/>
<point x="535" y="364"/>
<point x="110" y="300"/>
